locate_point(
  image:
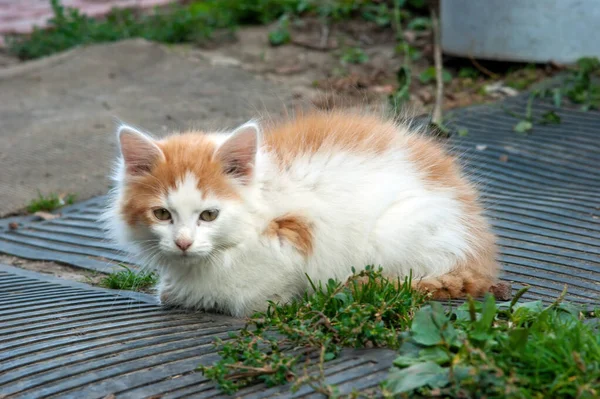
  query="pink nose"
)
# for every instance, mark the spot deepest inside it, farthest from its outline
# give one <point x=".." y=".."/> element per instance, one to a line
<point x="183" y="244"/>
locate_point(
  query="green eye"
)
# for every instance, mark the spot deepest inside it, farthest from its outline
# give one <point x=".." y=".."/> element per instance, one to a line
<point x="162" y="214"/>
<point x="209" y="215"/>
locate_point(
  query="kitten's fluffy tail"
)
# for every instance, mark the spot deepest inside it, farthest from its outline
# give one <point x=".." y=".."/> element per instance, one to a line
<point x="462" y="282"/>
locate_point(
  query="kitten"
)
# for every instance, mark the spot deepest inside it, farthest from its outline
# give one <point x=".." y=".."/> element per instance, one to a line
<point x="232" y="220"/>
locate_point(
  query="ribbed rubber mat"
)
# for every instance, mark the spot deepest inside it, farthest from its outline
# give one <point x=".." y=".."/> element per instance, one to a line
<point x="542" y="193"/>
<point x="63" y="339"/>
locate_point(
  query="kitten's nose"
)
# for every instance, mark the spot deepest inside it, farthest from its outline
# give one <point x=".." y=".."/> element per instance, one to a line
<point x="183" y="243"/>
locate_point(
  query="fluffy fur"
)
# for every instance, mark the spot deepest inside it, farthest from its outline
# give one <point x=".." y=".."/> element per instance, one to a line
<point x="316" y="194"/>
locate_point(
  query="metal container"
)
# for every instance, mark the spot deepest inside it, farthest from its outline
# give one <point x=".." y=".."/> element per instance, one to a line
<point x="521" y="30"/>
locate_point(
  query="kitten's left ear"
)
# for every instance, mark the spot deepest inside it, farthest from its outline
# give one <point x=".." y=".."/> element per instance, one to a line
<point x="238" y="153"/>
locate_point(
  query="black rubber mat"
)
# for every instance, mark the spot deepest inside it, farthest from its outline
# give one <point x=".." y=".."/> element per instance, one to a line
<point x="542" y="193"/>
<point x="67" y="340"/>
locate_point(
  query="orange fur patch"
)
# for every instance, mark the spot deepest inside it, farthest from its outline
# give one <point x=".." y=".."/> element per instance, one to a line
<point x="478" y="273"/>
<point x="295" y="230"/>
<point x="308" y="134"/>
<point x="184" y="153"/>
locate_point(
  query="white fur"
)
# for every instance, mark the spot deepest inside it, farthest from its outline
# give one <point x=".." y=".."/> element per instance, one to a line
<point x="365" y="210"/>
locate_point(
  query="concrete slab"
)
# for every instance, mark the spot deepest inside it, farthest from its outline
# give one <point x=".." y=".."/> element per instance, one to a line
<point x="58" y="114"/>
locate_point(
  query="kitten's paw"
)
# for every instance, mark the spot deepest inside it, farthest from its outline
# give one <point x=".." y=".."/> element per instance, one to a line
<point x="165" y="298"/>
<point x="456" y="285"/>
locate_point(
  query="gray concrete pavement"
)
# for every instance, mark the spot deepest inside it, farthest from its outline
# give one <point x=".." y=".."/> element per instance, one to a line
<point x="57" y="115"/>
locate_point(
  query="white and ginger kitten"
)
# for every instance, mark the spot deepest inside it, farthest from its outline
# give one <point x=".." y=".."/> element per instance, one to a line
<point x="232" y="220"/>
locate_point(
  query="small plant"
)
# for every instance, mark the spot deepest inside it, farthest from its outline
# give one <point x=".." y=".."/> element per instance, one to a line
<point x="378" y="13"/>
<point x="521" y="79"/>
<point x="419" y="24"/>
<point x="50" y="202"/>
<point x="188" y="22"/>
<point x="281" y="34"/>
<point x="468" y="72"/>
<point x="354" y="55"/>
<point x="580" y="86"/>
<point x="368" y="311"/>
<point x="428" y="75"/>
<point x="128" y="279"/>
<point x="505" y="350"/>
<point x="462" y="132"/>
<point x="526" y="122"/>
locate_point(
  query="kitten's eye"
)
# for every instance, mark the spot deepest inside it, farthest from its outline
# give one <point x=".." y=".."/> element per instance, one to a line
<point x="209" y="215"/>
<point x="162" y="214"/>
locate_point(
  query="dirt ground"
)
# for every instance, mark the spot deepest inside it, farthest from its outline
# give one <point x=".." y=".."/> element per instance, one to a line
<point x="54" y="269"/>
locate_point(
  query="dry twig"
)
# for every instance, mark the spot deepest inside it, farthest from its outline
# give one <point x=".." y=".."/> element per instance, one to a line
<point x="437" y="58"/>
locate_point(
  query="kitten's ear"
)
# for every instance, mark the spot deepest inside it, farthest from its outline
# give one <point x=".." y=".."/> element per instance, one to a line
<point x="238" y="152"/>
<point x="139" y="151"/>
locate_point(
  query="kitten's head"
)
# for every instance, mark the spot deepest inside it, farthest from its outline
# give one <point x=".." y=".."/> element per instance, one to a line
<point x="183" y="197"/>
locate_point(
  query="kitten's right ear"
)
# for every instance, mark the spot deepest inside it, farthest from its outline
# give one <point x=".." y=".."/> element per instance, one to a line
<point x="140" y="152"/>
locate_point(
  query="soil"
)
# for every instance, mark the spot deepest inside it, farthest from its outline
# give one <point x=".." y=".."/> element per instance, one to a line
<point x="320" y="75"/>
<point x="54" y="269"/>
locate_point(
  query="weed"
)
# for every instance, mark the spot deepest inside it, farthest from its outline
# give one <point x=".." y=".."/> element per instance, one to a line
<point x="281" y="34"/>
<point x="354" y="55"/>
<point x="504" y="350"/>
<point x="526" y="123"/>
<point x="189" y="22"/>
<point x="579" y="86"/>
<point x="428" y="75"/>
<point x="404" y="74"/>
<point x="128" y="279"/>
<point x="462" y="132"/>
<point x="49" y="202"/>
<point x="367" y="311"/>
<point x="468" y="72"/>
<point x="522" y="78"/>
<point x="378" y="13"/>
<point x="419" y="23"/>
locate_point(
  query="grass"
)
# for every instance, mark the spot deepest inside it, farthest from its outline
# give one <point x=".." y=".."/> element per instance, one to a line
<point x="276" y="346"/>
<point x="128" y="279"/>
<point x="50" y="202"/>
<point x="480" y="349"/>
<point x="580" y="86"/>
<point x="505" y="350"/>
<point x="354" y="55"/>
<point x="190" y="22"/>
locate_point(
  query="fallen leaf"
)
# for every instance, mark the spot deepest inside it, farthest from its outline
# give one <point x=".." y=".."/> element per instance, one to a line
<point x="463" y="132"/>
<point x="13" y="226"/>
<point x="386" y="89"/>
<point x="499" y="88"/>
<point x="502" y="291"/>
<point x="503" y="158"/>
<point x="523" y="126"/>
<point x="425" y="95"/>
<point x="46" y="215"/>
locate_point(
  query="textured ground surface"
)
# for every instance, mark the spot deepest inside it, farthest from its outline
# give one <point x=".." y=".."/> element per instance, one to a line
<point x="59" y="114"/>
